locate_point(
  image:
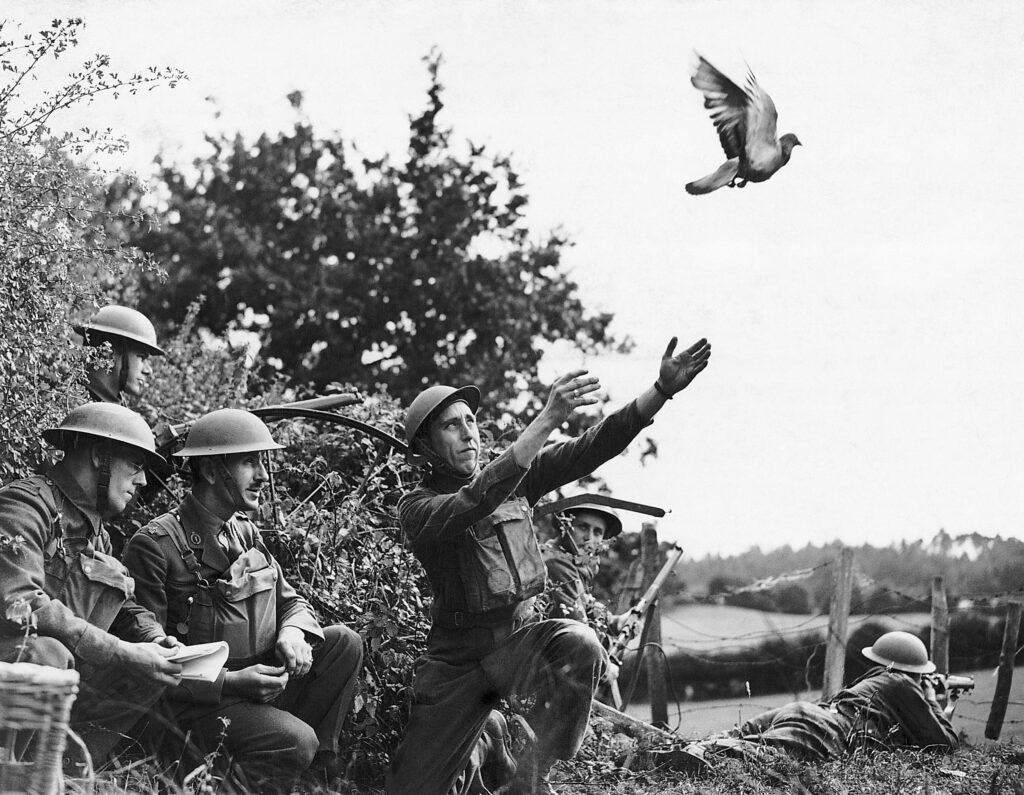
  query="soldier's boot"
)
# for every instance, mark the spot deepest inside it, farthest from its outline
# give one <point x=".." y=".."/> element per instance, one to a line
<point x="499" y="765"/>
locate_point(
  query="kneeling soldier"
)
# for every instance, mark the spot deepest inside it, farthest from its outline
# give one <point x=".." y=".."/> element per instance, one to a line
<point x="470" y="525"/>
<point x="203" y="570"/>
<point x="66" y="602"/>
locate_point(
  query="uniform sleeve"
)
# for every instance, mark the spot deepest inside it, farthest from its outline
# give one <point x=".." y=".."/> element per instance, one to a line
<point x="430" y="518"/>
<point x="292" y="609"/>
<point x="146" y="562"/>
<point x="25" y="530"/>
<point x="923" y="723"/>
<point x="562" y="463"/>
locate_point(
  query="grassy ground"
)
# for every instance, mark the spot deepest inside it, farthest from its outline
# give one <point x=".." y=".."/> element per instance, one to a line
<point x="699" y="718"/>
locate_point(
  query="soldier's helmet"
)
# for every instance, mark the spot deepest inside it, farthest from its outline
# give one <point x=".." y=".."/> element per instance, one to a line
<point x="116" y="322"/>
<point x="612" y="519"/>
<point x="427" y="402"/>
<point x="902" y="651"/>
<point x="227" y="432"/>
<point x="109" y="421"/>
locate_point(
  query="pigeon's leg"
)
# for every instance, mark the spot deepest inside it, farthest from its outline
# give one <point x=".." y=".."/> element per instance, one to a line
<point x="742" y="183"/>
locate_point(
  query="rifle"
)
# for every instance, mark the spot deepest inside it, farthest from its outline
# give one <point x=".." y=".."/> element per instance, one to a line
<point x="635" y="616"/>
<point x="950" y="684"/>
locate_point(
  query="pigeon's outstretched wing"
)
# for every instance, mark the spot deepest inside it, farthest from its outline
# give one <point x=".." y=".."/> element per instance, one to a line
<point x="762" y="145"/>
<point x="728" y="104"/>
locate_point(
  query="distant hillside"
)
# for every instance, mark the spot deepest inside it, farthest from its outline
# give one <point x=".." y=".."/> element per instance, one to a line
<point x="894" y="578"/>
<point x="970" y="564"/>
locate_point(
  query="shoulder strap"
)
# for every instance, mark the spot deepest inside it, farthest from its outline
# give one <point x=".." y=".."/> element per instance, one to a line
<point x="170" y="522"/>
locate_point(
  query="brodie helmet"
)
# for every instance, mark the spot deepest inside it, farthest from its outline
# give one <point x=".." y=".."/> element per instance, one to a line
<point x="427" y="402"/>
<point x="105" y="421"/>
<point x="227" y="432"/>
<point x="902" y="651"/>
<point x="613" y="521"/>
<point x="116" y="322"/>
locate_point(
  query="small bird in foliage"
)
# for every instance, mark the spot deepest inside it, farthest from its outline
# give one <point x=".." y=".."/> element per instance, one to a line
<point x="745" y="119"/>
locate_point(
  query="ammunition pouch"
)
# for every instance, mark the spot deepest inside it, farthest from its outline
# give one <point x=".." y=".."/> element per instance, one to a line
<point x="241" y="609"/>
<point x="94" y="586"/>
<point x="499" y="559"/>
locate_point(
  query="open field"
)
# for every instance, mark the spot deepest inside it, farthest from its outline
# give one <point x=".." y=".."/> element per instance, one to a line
<point x="700" y="718"/>
<point x="715" y="628"/>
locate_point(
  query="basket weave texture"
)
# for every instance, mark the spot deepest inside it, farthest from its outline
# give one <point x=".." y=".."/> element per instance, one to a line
<point x="35" y="708"/>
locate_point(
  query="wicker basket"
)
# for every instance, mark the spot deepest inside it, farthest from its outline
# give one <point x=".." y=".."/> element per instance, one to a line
<point x="35" y="706"/>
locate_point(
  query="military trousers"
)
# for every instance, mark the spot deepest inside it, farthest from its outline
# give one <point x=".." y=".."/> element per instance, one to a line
<point x="282" y="737"/>
<point x="112" y="699"/>
<point x="466" y="671"/>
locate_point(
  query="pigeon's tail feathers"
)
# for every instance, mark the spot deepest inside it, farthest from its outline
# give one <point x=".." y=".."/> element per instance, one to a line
<point x="725" y="174"/>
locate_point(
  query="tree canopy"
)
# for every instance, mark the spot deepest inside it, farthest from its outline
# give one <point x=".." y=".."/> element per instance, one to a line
<point x="364" y="272"/>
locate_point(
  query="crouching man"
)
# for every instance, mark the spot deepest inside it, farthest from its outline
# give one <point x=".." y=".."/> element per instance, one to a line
<point x="66" y="601"/>
<point x="203" y="570"/>
<point x="470" y="525"/>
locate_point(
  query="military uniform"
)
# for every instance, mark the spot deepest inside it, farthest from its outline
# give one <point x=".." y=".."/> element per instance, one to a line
<point x="884" y="708"/>
<point x="55" y="563"/>
<point x="178" y="564"/>
<point x="476" y="541"/>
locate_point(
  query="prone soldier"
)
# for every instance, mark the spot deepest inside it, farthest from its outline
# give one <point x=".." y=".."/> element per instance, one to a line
<point x="67" y="602"/>
<point x="204" y="571"/>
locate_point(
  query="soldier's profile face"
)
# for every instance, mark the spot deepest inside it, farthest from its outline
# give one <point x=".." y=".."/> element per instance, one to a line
<point x="455" y="437"/>
<point x="127" y="474"/>
<point x="588" y="528"/>
<point x="248" y="476"/>
<point x="139" y="371"/>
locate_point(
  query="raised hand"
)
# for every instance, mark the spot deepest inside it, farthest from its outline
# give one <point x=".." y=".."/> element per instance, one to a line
<point x="679" y="369"/>
<point x="569" y="393"/>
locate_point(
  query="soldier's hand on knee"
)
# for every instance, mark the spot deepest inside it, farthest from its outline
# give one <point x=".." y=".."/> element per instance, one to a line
<point x="150" y="659"/>
<point x="294" y="651"/>
<point x="258" y="683"/>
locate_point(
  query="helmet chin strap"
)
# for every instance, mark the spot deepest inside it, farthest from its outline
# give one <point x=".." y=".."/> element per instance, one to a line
<point x="103" y="481"/>
<point x="229" y="482"/>
<point x="436" y="462"/>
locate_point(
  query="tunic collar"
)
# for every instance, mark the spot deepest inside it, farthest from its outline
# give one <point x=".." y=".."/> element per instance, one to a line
<point x="201" y="529"/>
<point x="77" y="496"/>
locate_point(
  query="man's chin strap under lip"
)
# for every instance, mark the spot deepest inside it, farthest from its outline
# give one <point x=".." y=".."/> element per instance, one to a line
<point x="436" y="462"/>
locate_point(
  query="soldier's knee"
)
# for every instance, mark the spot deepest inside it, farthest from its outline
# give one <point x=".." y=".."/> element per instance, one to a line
<point x="584" y="644"/>
<point x="305" y="746"/>
<point x="345" y="643"/>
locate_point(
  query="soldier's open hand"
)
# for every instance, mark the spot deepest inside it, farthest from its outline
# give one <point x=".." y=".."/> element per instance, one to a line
<point x="679" y="369"/>
<point x="569" y="393"/>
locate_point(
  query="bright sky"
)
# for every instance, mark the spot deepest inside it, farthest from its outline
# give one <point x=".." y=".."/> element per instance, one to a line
<point x="863" y="305"/>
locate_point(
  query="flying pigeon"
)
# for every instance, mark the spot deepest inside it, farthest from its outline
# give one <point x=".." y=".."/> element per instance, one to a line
<point x="745" y="120"/>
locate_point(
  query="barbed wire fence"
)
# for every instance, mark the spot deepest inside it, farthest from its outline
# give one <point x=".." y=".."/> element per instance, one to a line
<point x="798" y="645"/>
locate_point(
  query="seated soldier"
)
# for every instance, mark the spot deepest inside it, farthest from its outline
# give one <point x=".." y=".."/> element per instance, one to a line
<point x="892" y="705"/>
<point x="66" y="602"/>
<point x="203" y="570"/>
<point x="132" y="339"/>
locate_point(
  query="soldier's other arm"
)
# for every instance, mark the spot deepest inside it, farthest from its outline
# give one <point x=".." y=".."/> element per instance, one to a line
<point x="25" y="527"/>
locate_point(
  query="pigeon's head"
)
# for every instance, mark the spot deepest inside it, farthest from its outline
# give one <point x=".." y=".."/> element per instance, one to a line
<point x="787" y="142"/>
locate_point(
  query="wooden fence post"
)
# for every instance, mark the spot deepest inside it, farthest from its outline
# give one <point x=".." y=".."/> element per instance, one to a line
<point x="835" y="651"/>
<point x="1005" y="676"/>
<point x="940" y="627"/>
<point x="650" y="561"/>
